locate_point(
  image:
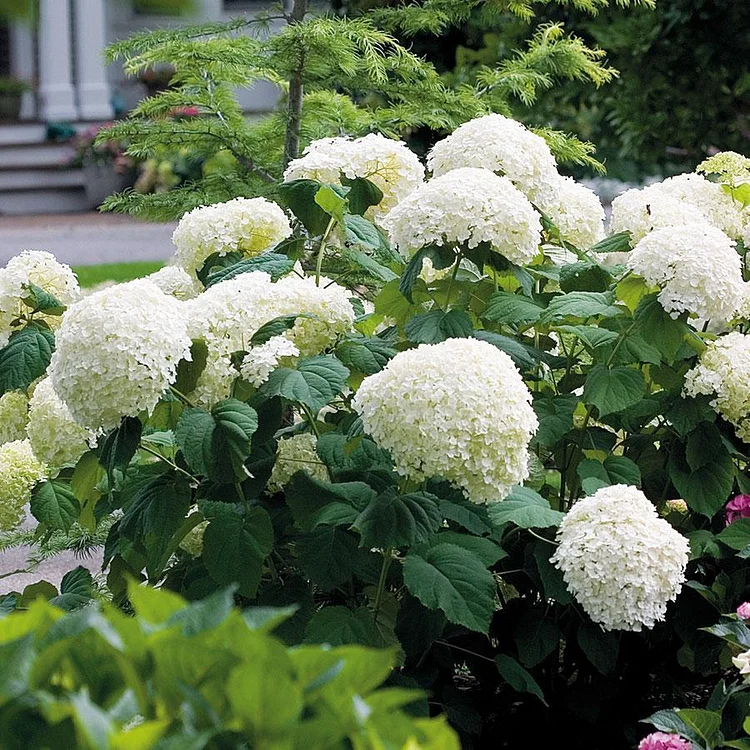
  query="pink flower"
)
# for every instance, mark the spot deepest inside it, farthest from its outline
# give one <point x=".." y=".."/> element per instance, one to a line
<point x="743" y="611"/>
<point x="737" y="507"/>
<point x="664" y="741"/>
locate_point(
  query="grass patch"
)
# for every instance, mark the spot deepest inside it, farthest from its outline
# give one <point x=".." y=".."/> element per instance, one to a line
<point x="93" y="275"/>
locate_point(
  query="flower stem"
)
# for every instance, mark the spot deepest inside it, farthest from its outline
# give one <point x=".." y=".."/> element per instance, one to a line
<point x="322" y="248"/>
<point x="387" y="560"/>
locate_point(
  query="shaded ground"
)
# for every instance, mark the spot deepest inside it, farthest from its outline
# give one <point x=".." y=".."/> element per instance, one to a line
<point x="83" y="239"/>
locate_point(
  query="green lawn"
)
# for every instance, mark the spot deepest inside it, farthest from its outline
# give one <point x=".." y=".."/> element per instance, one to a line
<point x="92" y="275"/>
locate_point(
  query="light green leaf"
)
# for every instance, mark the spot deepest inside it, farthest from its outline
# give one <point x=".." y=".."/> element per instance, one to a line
<point x="360" y="231"/>
<point x="524" y="508"/>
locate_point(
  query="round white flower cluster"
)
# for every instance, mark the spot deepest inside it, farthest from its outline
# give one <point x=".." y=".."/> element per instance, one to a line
<point x="13" y="416"/>
<point x="621" y="562"/>
<point x="641" y="211"/>
<point x="20" y="471"/>
<point x="38" y="268"/>
<point x="227" y="314"/>
<point x="499" y="144"/>
<point x="56" y="439"/>
<point x="245" y="225"/>
<point x="458" y="410"/>
<point x="262" y="360"/>
<point x="742" y="662"/>
<point x="728" y="164"/>
<point x="386" y="163"/>
<point x="575" y="210"/>
<point x="723" y="371"/>
<point x="176" y="282"/>
<point x="696" y="268"/>
<point x="468" y="206"/>
<point x="293" y="454"/>
<point x="117" y="352"/>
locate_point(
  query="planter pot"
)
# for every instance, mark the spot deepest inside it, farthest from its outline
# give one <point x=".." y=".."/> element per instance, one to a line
<point x="10" y="106"/>
<point x="101" y="181"/>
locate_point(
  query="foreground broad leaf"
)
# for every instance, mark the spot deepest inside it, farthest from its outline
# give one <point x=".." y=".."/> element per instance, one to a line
<point x="314" y="383"/>
<point x="612" y="390"/>
<point x="26" y="357"/>
<point x="55" y="505"/>
<point x="524" y="508"/>
<point x="453" y="580"/>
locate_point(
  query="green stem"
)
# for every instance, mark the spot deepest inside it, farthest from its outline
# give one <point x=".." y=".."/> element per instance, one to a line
<point x="185" y="400"/>
<point x="238" y="490"/>
<point x="539" y="536"/>
<point x="450" y="283"/>
<point x="465" y="650"/>
<point x="167" y="461"/>
<point x="387" y="560"/>
<point x="310" y="419"/>
<point x="322" y="248"/>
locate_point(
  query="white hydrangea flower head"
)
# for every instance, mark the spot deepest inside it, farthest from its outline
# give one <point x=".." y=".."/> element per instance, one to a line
<point x="41" y="269"/>
<point x="262" y="360"/>
<point x="14" y="413"/>
<point x="227" y="314"/>
<point x="245" y="225"/>
<point x="55" y="438"/>
<point x="20" y="471"/>
<point x="728" y="164"/>
<point x="293" y="454"/>
<point x="387" y="163"/>
<point x="710" y="198"/>
<point x="696" y="268"/>
<point x="742" y="662"/>
<point x="501" y="145"/>
<point x="723" y="371"/>
<point x="620" y="561"/>
<point x="459" y="410"/>
<point x="117" y="352"/>
<point x="176" y="282"/>
<point x="470" y="206"/>
<point x="640" y="211"/>
<point x="576" y="211"/>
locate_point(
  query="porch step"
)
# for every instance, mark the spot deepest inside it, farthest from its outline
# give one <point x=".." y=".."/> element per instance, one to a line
<point x="35" y="155"/>
<point x="43" y="201"/>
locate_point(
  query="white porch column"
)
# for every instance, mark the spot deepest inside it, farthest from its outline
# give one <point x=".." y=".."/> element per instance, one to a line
<point x="56" y="97"/>
<point x="91" y="79"/>
<point x="22" y="64"/>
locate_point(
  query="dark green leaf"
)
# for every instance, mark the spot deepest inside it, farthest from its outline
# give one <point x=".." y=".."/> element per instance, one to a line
<point x="362" y="194"/>
<point x="274" y="264"/>
<point x="536" y="637"/>
<point x="368" y="355"/>
<point x="340" y="626"/>
<point x="737" y="534"/>
<point x="706" y="490"/>
<point x="584" y="277"/>
<point x="581" y="306"/>
<point x="657" y="327"/>
<point x="120" y="446"/>
<point x="612" y="390"/>
<point x="299" y="197"/>
<point x="328" y="555"/>
<point x="455" y="581"/>
<point x="367" y="263"/>
<point x="505" y="307"/>
<point x="274" y="327"/>
<point x="523" y="356"/>
<point x="524" y="508"/>
<point x="699" y="726"/>
<point x="55" y="505"/>
<point x="518" y="677"/>
<point x="42" y="301"/>
<point x="436" y="325"/>
<point x="442" y="257"/>
<point x="360" y="231"/>
<point x="619" y="242"/>
<point x="315" y="382"/>
<point x="25" y="358"/>
<point x="393" y="520"/>
<point x="601" y="648"/>
<point x="188" y="371"/>
<point x="555" y="416"/>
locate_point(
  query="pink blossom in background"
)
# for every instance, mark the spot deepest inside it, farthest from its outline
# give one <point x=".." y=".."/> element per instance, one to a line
<point x="664" y="741"/>
<point x="743" y="611"/>
<point x="737" y="507"/>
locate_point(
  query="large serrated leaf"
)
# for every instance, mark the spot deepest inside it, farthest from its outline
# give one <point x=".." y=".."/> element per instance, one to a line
<point x="299" y="197"/>
<point x="706" y="490"/>
<point x="615" y="389"/>
<point x="25" y="358"/>
<point x="328" y="556"/>
<point x="518" y="677"/>
<point x="437" y="325"/>
<point x="55" y="505"/>
<point x="524" y="508"/>
<point x="453" y="580"/>
<point x="368" y="355"/>
<point x="581" y="306"/>
<point x="505" y="307"/>
<point x="274" y="264"/>
<point x="314" y="383"/>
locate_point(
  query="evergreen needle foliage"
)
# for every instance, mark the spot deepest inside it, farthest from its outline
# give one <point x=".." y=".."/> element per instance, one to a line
<point x="340" y="74"/>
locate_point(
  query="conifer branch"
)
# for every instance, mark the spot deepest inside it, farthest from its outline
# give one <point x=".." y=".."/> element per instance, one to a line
<point x="296" y="89"/>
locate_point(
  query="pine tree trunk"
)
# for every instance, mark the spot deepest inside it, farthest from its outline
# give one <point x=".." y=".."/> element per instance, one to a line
<point x="294" y="116"/>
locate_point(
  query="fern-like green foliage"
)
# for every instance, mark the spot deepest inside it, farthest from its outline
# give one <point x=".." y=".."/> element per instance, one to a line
<point x="338" y="74"/>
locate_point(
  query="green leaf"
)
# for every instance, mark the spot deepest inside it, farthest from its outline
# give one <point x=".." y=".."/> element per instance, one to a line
<point x="274" y="264"/>
<point x="55" y="505"/>
<point x="332" y="199"/>
<point x="466" y="514"/>
<point x="601" y="648"/>
<point x="362" y="194"/>
<point x="592" y="336"/>
<point x="518" y="677"/>
<point x="453" y="580"/>
<point x="120" y="446"/>
<point x="526" y="509"/>
<point x="328" y="556"/>
<point x="581" y="306"/>
<point x="614" y="470"/>
<point x="536" y="637"/>
<point x="26" y="357"/>
<point x="657" y="327"/>
<point x="506" y="307"/>
<point x="235" y="544"/>
<point x="312" y="501"/>
<point x="441" y="257"/>
<point x="584" y="277"/>
<point x="340" y="626"/>
<point x="299" y="197"/>
<point x="368" y="355"/>
<point x="706" y="490"/>
<point x="42" y="301"/>
<point x="360" y="231"/>
<point x="188" y="371"/>
<point x="696" y="725"/>
<point x="217" y="444"/>
<point x="486" y="550"/>
<point x="612" y="390"/>
<point x="522" y="356"/>
<point x="393" y="520"/>
<point x="702" y="446"/>
<point x="685" y="414"/>
<point x="315" y="382"/>
<point x="76" y="589"/>
<point x="615" y="243"/>
<point x="555" y="416"/>
<point x="437" y="325"/>
<point x="736" y="535"/>
<point x="274" y="327"/>
<point x="370" y="265"/>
